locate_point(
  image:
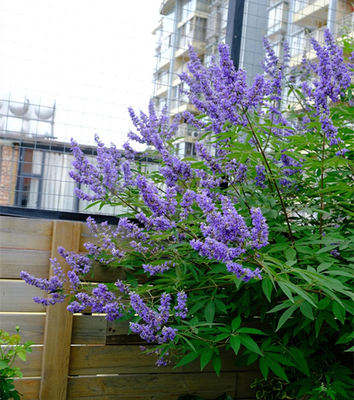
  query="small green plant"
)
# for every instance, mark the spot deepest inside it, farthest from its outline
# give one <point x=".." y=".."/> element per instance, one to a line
<point x="10" y="348"/>
<point x="274" y="389"/>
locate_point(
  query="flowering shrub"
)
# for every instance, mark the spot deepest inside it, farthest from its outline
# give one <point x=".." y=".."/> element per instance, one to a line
<point x="251" y="247"/>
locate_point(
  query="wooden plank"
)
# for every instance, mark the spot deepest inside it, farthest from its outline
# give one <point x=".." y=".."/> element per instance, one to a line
<point x="58" y="323"/>
<point x="32" y="366"/>
<point x="228" y="359"/>
<point x="89" y="329"/>
<point x="105" y="274"/>
<point x="157" y="387"/>
<point x="244" y="381"/>
<point x="28" y="387"/>
<point x="86" y="236"/>
<point x="91" y="360"/>
<point x="17" y="296"/>
<point x="24" y="233"/>
<point x="35" y="262"/>
<point x="31" y="326"/>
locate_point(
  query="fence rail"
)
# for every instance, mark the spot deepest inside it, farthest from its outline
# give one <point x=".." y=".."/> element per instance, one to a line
<point x="86" y="356"/>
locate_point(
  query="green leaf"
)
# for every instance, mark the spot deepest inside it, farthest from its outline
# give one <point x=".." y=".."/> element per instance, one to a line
<point x="251" y="330"/>
<point x="286" y="291"/>
<point x="290" y="254"/>
<point x="3" y="364"/>
<point x="187" y="359"/>
<point x="197" y="306"/>
<point x="236" y="322"/>
<point x="21" y="355"/>
<point x="277" y="369"/>
<point x="216" y="361"/>
<point x="318" y="323"/>
<point x="222" y="336"/>
<point x="339" y="312"/>
<point x="189" y="343"/>
<point x="280" y="358"/>
<point x="205" y="357"/>
<point x="286" y="315"/>
<point x="209" y="312"/>
<point x="235" y="343"/>
<point x="299" y="360"/>
<point x="131" y="280"/>
<point x="220" y="305"/>
<point x="267" y="287"/>
<point x="306" y="310"/>
<point x="249" y="343"/>
<point x="264" y="367"/>
<point x="300" y="292"/>
<point x="347" y="337"/>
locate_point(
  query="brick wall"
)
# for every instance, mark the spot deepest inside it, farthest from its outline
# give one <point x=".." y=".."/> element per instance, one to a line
<point x="8" y="171"/>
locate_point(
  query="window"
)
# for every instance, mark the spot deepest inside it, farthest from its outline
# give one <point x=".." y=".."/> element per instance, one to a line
<point x="277" y="18"/>
<point x="297" y="43"/>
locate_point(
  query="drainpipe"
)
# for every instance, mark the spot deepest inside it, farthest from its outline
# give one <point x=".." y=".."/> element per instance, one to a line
<point x="172" y="56"/>
<point x="331" y="19"/>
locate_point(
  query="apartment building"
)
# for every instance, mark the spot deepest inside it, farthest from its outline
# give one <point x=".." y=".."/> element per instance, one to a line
<point x="203" y="24"/>
<point x="241" y="24"/>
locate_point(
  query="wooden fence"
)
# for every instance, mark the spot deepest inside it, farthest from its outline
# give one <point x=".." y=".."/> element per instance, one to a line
<point x="86" y="356"/>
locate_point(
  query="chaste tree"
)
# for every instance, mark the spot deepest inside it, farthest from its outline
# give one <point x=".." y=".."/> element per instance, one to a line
<point x="249" y="247"/>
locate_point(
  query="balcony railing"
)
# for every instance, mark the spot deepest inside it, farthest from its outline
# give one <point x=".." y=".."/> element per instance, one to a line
<point x="300" y="4"/>
<point x="179" y="101"/>
<point x="162" y="81"/>
<point x="179" y="70"/>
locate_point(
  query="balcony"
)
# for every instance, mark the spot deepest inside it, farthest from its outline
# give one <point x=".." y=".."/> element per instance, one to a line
<point x="161" y="84"/>
<point x="193" y="33"/>
<point x="178" y="71"/>
<point x="277" y="20"/>
<point x="312" y="14"/>
<point x="304" y="44"/>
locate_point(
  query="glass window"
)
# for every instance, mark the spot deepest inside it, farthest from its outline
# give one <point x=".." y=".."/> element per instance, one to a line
<point x="277" y="17"/>
<point x="297" y="43"/>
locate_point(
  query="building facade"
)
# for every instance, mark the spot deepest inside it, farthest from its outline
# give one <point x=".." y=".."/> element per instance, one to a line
<point x="241" y="24"/>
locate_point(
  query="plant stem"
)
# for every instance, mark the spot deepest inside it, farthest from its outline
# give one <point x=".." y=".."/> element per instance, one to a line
<point x="272" y="179"/>
<point x="322" y="178"/>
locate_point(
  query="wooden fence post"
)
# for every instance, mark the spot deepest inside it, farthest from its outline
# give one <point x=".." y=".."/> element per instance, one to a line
<point x="58" y="322"/>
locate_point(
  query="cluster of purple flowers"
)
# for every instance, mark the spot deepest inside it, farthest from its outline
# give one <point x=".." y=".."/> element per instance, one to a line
<point x="102" y="301"/>
<point x="154" y="329"/>
<point x="107" y="174"/>
<point x="54" y="286"/>
<point x="334" y="77"/>
<point x="158" y="269"/>
<point x="227" y="236"/>
<point x="181" y="307"/>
